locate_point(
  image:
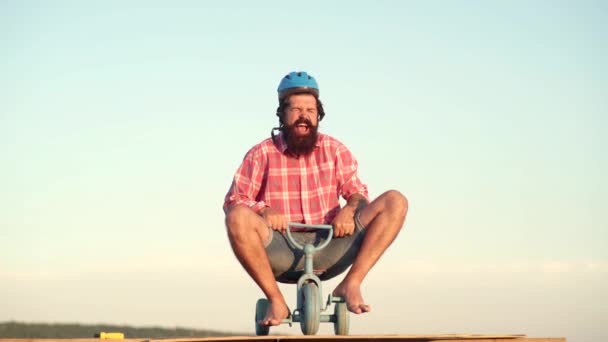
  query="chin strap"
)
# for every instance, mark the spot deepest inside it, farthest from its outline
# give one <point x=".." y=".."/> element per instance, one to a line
<point x="274" y="136"/>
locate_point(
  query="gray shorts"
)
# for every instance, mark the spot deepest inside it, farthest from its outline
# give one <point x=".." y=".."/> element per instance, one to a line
<point x="288" y="263"/>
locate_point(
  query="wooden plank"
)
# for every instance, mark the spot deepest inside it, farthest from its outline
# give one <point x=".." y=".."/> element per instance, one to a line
<point x="323" y="338"/>
<point x="71" y="340"/>
<point x="442" y="337"/>
<point x="376" y="338"/>
<point x="373" y="338"/>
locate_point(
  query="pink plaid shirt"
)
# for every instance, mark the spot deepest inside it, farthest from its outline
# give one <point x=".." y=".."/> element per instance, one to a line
<point x="304" y="189"/>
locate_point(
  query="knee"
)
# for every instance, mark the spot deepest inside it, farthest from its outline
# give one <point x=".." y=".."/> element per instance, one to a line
<point x="243" y="225"/>
<point x="397" y="202"/>
<point x="235" y="220"/>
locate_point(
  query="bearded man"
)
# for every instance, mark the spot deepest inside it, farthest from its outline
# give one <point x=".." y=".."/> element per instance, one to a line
<point x="299" y="175"/>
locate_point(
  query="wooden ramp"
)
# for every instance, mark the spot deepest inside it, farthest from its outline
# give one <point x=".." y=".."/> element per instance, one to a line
<point x="326" y="338"/>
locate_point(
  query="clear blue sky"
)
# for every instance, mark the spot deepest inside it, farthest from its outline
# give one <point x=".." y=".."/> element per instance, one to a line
<point x="121" y="125"/>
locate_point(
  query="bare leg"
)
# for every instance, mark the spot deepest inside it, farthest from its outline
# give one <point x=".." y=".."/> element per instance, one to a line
<point x="383" y="219"/>
<point x="247" y="231"/>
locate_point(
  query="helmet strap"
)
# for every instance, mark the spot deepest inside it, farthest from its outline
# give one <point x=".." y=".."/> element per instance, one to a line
<point x="273" y="136"/>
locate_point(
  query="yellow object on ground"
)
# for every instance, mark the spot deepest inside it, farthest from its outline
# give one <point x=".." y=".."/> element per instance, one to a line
<point x="111" y="335"/>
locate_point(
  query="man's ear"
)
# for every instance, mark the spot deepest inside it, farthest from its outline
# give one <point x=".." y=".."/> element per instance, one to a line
<point x="280" y="115"/>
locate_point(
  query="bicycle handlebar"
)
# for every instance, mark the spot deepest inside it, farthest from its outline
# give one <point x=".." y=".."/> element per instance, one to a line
<point x="313" y="226"/>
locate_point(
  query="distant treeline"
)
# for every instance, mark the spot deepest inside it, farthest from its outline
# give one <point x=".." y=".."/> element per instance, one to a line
<point x="42" y="330"/>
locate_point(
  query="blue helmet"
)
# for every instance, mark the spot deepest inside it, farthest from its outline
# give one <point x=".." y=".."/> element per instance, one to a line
<point x="297" y="82"/>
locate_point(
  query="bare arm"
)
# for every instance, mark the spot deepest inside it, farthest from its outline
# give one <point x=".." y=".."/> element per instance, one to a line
<point x="275" y="219"/>
<point x="344" y="223"/>
<point x="356" y="201"/>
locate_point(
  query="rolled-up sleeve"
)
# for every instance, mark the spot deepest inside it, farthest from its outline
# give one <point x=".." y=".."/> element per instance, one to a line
<point x="247" y="183"/>
<point x="346" y="174"/>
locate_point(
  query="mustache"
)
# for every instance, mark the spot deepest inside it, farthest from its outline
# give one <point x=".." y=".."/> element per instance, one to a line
<point x="302" y="121"/>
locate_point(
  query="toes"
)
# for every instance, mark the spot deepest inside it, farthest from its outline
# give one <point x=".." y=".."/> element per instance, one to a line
<point x="354" y="309"/>
<point x="275" y="316"/>
<point x="359" y="308"/>
<point x="271" y="322"/>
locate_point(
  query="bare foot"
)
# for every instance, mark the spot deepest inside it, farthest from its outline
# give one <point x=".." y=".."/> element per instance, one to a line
<point x="352" y="295"/>
<point x="277" y="311"/>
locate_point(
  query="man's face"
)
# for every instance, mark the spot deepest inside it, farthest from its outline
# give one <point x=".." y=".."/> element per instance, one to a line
<point x="301" y="123"/>
<point x="301" y="113"/>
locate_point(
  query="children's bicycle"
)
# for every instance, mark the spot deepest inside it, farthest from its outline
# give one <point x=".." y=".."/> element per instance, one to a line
<point x="310" y="306"/>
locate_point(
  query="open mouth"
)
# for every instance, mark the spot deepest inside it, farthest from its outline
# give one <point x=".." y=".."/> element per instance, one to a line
<point x="302" y="128"/>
